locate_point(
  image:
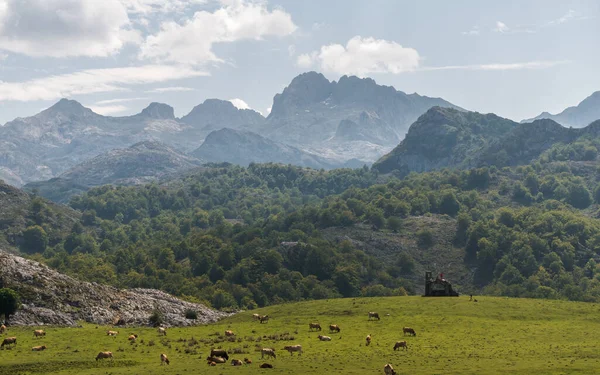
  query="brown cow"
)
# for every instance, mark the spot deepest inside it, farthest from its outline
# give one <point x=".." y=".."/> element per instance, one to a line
<point x="264" y="319"/>
<point x="38" y="348"/>
<point x="9" y="341"/>
<point x="104" y="355"/>
<point x="334" y="328"/>
<point x="373" y="315"/>
<point x="248" y="361"/>
<point x="2" y="329"/>
<point x="236" y="362"/>
<point x="215" y="359"/>
<point x="132" y="338"/>
<point x="409" y="330"/>
<point x="324" y="338"/>
<point x="229" y="333"/>
<point x="212" y="363"/>
<point x="39" y="333"/>
<point x="164" y="359"/>
<point x="389" y="370"/>
<point x="268" y="352"/>
<point x="112" y="333"/>
<point x="255" y="316"/>
<point x="400" y="344"/>
<point x="162" y="331"/>
<point x="266" y="365"/>
<point x="314" y="326"/>
<point x="293" y="348"/>
<point x="368" y="339"/>
<point x="219" y="353"/>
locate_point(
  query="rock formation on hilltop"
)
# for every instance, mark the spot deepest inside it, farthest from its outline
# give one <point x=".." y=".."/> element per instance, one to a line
<point x="51" y="298"/>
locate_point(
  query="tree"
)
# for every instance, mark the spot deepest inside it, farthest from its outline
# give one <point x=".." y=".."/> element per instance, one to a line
<point x="394" y="223"/>
<point x="35" y="240"/>
<point x="449" y="204"/>
<point x="9" y="302"/>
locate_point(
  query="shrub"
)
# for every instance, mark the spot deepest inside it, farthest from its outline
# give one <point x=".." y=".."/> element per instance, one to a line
<point x="191" y="314"/>
<point x="156" y="318"/>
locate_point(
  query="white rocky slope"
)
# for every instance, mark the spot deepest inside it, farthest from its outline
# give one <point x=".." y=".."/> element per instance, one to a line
<point x="51" y="298"/>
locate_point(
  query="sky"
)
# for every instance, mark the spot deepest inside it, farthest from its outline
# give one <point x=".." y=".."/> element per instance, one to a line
<point x="515" y="58"/>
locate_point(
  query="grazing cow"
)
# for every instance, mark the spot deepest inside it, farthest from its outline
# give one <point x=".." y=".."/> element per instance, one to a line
<point x="264" y="319"/>
<point x="104" y="355"/>
<point x="400" y="344"/>
<point x="2" y="329"/>
<point x="219" y="353"/>
<point x="268" y="352"/>
<point x="132" y="338"/>
<point x="409" y="330"/>
<point x="229" y="333"/>
<point x="236" y="362"/>
<point x="39" y="333"/>
<point x="373" y="315"/>
<point x="334" y="328"/>
<point x="247" y="361"/>
<point x="389" y="370"/>
<point x="293" y="348"/>
<point x="162" y="331"/>
<point x="255" y="316"/>
<point x="266" y="365"/>
<point x="212" y="363"/>
<point x="314" y="326"/>
<point x="368" y="339"/>
<point x="324" y="338"/>
<point x="112" y="333"/>
<point x="38" y="348"/>
<point x="9" y="341"/>
<point x="164" y="359"/>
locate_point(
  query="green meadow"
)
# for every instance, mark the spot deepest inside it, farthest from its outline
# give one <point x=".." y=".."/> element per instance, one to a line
<point x="454" y="336"/>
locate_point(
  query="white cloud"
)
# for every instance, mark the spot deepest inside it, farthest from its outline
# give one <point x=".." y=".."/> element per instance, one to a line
<point x="239" y="103"/>
<point x="108" y="110"/>
<point x="171" y="89"/>
<point x="291" y="50"/>
<point x="499" y="66"/>
<point x="268" y="110"/>
<point x="118" y="100"/>
<point x="159" y="6"/>
<point x="64" y="28"/>
<point x="192" y="41"/>
<point x="362" y="56"/>
<point x="93" y="81"/>
<point x="501" y="27"/>
<point x="473" y="32"/>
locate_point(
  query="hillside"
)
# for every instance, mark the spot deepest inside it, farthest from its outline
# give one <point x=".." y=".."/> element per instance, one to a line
<point x="50" y="298"/>
<point x="243" y="147"/>
<point x="141" y="163"/>
<point x="577" y="116"/>
<point x="454" y="336"/>
<point x="445" y="137"/>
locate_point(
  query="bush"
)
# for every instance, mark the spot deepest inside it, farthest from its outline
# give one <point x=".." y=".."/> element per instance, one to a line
<point x="425" y="238"/>
<point x="156" y="318"/>
<point x="191" y="314"/>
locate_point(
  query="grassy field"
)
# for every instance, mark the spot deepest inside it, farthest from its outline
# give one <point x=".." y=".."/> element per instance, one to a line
<point x="454" y="336"/>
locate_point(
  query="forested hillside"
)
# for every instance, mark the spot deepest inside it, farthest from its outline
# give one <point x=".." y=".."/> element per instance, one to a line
<point x="245" y="237"/>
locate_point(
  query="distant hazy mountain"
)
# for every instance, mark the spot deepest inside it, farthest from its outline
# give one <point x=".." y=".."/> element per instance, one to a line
<point x="445" y="137"/>
<point x="216" y="114"/>
<point x="244" y="147"/>
<point x="312" y="110"/>
<point x="578" y="116"/>
<point x="143" y="162"/>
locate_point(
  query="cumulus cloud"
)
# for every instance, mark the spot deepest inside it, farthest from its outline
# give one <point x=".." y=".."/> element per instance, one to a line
<point x="192" y="41"/>
<point x="64" y="28"/>
<point x="159" y="6"/>
<point x="108" y="110"/>
<point x="239" y="103"/>
<point x="362" y="56"/>
<point x="93" y="81"/>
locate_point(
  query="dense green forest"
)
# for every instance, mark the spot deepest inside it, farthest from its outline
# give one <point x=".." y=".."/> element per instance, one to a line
<point x="244" y="237"/>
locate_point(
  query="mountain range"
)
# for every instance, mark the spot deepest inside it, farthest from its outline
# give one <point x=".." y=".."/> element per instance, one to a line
<point x="577" y="116"/>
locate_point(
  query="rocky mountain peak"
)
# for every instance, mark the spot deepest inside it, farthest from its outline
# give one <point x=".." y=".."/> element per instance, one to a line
<point x="159" y="111"/>
<point x="217" y="114"/>
<point x="69" y="108"/>
<point x="305" y="89"/>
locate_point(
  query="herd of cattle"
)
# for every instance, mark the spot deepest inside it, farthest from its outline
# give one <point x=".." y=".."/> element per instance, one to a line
<point x="219" y="356"/>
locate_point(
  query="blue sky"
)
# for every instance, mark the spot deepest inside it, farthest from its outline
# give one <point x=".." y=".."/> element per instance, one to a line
<point x="513" y="58"/>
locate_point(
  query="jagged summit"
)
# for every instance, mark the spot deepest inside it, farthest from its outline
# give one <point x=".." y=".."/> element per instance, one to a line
<point x="68" y="107"/>
<point x="159" y="111"/>
<point x="216" y="114"/>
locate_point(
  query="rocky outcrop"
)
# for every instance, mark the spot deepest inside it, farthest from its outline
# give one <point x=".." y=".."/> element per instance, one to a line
<point x="51" y="298"/>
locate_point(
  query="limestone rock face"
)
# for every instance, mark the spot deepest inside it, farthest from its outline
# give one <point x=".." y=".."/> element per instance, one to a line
<point x="51" y="298"/>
